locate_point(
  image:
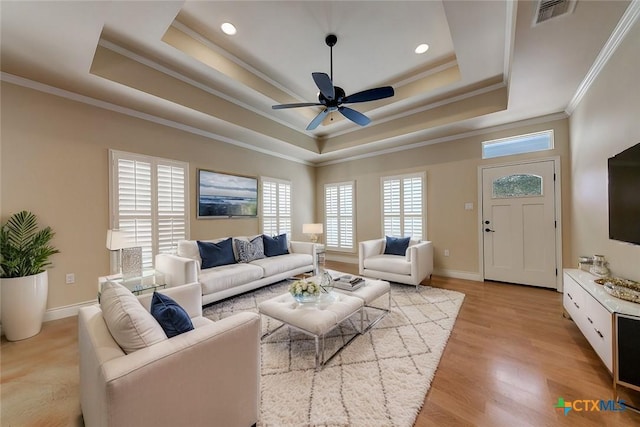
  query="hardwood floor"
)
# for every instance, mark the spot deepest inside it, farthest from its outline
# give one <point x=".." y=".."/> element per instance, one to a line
<point x="511" y="355"/>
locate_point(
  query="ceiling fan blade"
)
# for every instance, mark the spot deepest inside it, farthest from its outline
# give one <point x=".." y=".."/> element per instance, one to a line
<point x="304" y="104"/>
<point x="355" y="116"/>
<point x="324" y="84"/>
<point x="318" y="119"/>
<point x="369" y="95"/>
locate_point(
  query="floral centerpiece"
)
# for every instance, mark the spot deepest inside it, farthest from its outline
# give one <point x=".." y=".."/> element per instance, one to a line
<point x="304" y="291"/>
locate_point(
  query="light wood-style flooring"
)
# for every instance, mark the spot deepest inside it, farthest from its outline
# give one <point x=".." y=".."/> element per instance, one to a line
<point x="511" y="355"/>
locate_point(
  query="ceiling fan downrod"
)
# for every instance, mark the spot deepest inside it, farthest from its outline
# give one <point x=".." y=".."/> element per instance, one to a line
<point x="331" y="41"/>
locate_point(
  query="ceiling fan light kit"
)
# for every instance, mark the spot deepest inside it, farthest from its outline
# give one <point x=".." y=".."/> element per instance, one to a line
<point x="333" y="97"/>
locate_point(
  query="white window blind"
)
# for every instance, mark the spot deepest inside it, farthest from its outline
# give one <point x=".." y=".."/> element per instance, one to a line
<point x="149" y="201"/>
<point x="339" y="215"/>
<point x="276" y="207"/>
<point x="403" y="206"/>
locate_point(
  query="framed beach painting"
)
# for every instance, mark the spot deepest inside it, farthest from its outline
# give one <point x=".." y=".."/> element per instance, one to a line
<point x="222" y="195"/>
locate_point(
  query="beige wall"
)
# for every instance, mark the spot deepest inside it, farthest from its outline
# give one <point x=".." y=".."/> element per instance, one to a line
<point x="55" y="163"/>
<point x="606" y="121"/>
<point x="452" y="180"/>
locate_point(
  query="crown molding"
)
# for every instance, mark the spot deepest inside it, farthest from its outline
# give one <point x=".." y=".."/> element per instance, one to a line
<point x="73" y="96"/>
<point x="617" y="36"/>
<point x="214" y="47"/>
<point x="154" y="65"/>
<point x="497" y="128"/>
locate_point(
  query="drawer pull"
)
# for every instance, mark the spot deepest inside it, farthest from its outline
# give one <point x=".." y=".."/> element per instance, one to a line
<point x="599" y="333"/>
<point x="576" y="304"/>
<point x="589" y="319"/>
<point x="569" y="295"/>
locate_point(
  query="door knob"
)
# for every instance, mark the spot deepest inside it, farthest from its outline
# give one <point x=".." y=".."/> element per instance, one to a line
<point x="489" y="230"/>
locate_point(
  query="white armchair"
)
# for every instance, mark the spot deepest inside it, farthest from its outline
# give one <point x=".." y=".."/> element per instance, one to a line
<point x="411" y="269"/>
<point x="209" y="375"/>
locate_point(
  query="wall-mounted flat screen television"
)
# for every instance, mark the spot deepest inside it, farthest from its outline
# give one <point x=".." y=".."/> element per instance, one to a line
<point x="221" y="195"/>
<point x="624" y="196"/>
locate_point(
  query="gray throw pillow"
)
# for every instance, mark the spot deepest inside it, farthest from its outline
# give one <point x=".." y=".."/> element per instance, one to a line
<point x="249" y="250"/>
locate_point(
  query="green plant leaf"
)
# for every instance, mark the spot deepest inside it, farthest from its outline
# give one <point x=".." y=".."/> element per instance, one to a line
<point x="24" y="250"/>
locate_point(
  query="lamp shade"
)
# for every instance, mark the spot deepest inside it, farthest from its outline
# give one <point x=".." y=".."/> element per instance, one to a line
<point x="116" y="240"/>
<point x="312" y="228"/>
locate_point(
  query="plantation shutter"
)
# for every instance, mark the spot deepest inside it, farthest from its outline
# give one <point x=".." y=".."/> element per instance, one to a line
<point x="276" y="207"/>
<point x="412" y="209"/>
<point x="403" y="206"/>
<point x="284" y="208"/>
<point x="149" y="202"/>
<point x="172" y="219"/>
<point x="391" y="207"/>
<point x="339" y="208"/>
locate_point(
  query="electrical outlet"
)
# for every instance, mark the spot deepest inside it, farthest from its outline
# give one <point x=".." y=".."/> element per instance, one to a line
<point x="446" y="252"/>
<point x="71" y="278"/>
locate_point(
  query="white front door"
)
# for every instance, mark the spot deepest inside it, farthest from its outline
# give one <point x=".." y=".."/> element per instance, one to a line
<point x="518" y="208"/>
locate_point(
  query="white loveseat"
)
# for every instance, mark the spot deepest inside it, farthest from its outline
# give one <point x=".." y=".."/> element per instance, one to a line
<point x="411" y="268"/>
<point x="228" y="280"/>
<point x="209" y="375"/>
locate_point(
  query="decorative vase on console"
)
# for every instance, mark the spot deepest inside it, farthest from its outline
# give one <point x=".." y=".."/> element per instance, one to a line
<point x="599" y="267"/>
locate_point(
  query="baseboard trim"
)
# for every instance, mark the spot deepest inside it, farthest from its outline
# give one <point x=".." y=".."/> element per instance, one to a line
<point x="66" y="311"/>
<point x="62" y="312"/>
<point x="349" y="259"/>
<point x="456" y="274"/>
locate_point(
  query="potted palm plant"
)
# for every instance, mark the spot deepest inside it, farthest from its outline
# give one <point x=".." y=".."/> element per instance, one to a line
<point x="24" y="254"/>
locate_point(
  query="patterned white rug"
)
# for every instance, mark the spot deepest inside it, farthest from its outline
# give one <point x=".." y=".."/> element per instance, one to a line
<point x="380" y="379"/>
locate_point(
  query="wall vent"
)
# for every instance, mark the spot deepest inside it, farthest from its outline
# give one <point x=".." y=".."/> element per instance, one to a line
<point x="549" y="9"/>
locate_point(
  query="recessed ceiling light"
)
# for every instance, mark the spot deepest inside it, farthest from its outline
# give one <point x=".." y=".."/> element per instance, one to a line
<point x="422" y="48"/>
<point x="228" y="28"/>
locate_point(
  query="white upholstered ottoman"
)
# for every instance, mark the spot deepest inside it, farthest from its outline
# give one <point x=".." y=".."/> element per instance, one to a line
<point x="315" y="319"/>
<point x="371" y="290"/>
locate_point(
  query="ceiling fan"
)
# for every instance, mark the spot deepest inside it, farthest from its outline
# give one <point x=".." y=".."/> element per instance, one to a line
<point x="333" y="97"/>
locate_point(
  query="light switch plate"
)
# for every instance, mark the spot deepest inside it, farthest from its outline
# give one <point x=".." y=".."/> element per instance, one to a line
<point x="468" y="206"/>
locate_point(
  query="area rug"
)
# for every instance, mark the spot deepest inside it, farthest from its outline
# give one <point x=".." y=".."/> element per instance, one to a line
<point x="379" y="379"/>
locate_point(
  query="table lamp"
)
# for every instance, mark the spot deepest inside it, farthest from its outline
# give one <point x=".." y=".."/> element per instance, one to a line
<point x="313" y="230"/>
<point x="116" y="240"/>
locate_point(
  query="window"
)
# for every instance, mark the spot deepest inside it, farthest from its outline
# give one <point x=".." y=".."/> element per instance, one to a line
<point x="276" y="207"/>
<point x="518" y="145"/>
<point x="339" y="206"/>
<point x="403" y="206"/>
<point x="149" y="201"/>
<point x="519" y="185"/>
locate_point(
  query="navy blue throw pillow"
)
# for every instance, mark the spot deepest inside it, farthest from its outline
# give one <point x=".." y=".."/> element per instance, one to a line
<point x="396" y="245"/>
<point x="276" y="245"/>
<point x="216" y="254"/>
<point x="173" y="318"/>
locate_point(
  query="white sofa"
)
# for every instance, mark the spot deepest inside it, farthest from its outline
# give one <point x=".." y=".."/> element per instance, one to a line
<point x="208" y="375"/>
<point x="228" y="280"/>
<point x="411" y="269"/>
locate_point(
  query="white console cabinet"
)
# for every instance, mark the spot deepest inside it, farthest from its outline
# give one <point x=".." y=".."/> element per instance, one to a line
<point x="595" y="312"/>
<point x="582" y="300"/>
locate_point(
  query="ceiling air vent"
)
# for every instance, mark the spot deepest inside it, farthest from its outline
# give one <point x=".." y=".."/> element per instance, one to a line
<point x="549" y="9"/>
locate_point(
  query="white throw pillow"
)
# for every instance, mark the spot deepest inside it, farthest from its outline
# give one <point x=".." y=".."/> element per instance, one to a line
<point x="130" y="324"/>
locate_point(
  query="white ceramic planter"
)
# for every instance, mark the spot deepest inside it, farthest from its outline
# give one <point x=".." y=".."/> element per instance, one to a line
<point x="24" y="302"/>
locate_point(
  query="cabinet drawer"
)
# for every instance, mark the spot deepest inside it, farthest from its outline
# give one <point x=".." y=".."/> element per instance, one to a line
<point x="573" y="297"/>
<point x="599" y="330"/>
